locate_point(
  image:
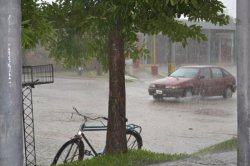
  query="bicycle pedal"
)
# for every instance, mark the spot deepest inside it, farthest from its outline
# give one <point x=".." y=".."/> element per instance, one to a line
<point x="88" y="153"/>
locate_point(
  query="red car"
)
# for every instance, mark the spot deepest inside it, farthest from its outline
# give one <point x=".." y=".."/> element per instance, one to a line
<point x="187" y="81"/>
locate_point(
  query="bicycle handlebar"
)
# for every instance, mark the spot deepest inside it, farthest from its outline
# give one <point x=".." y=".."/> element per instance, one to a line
<point x="87" y="117"/>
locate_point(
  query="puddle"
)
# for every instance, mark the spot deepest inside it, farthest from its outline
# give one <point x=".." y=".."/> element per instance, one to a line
<point x="212" y="112"/>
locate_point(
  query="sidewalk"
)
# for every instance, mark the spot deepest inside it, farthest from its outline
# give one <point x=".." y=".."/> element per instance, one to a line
<point x="216" y="159"/>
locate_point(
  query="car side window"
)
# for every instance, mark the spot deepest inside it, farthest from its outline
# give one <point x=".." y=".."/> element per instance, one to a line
<point x="217" y="73"/>
<point x="206" y="73"/>
<point x="225" y="73"/>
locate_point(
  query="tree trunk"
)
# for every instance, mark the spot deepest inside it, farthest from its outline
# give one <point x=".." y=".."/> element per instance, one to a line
<point x="116" y="134"/>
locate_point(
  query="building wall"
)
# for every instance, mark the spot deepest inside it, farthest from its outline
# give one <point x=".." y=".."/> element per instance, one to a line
<point x="219" y="48"/>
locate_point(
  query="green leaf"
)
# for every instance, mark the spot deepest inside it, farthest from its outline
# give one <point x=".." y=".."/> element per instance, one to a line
<point x="172" y="2"/>
<point x="195" y="3"/>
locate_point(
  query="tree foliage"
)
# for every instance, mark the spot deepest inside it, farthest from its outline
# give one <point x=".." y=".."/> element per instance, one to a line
<point x="78" y="40"/>
<point x="105" y="28"/>
<point x="35" y="27"/>
<point x="73" y="44"/>
<point x="153" y="17"/>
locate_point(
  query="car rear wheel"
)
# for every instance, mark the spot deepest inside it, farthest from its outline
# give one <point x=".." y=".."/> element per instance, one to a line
<point x="157" y="97"/>
<point x="188" y="93"/>
<point x="228" y="93"/>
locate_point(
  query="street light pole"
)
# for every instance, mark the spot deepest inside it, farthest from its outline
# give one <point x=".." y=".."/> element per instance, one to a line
<point x="171" y="57"/>
<point x="11" y="121"/>
<point x="155" y="54"/>
<point x="154" y="67"/>
<point x="243" y="84"/>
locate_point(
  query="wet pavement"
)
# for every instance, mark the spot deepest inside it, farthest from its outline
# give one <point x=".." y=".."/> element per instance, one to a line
<point x="216" y="159"/>
<point x="168" y="126"/>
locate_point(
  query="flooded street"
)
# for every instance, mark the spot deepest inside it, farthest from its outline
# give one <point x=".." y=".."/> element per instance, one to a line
<point x="168" y="126"/>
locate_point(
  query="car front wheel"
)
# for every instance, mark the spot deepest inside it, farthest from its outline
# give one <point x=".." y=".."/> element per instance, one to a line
<point x="228" y="93"/>
<point x="188" y="93"/>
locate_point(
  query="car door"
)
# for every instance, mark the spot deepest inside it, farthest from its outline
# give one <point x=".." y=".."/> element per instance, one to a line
<point x="217" y="81"/>
<point x="205" y="82"/>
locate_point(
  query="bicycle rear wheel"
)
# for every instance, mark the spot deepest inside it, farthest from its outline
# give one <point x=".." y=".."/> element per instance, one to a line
<point x="134" y="140"/>
<point x="72" y="150"/>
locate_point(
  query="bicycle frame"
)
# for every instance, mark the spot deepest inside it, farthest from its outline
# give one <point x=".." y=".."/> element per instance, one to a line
<point x="104" y="128"/>
<point x="84" y="128"/>
<point x="90" y="128"/>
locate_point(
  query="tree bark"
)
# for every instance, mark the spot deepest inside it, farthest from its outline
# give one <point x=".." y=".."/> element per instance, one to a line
<point x="116" y="134"/>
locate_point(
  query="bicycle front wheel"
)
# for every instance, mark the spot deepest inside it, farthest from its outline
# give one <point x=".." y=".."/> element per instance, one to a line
<point x="134" y="140"/>
<point x="72" y="150"/>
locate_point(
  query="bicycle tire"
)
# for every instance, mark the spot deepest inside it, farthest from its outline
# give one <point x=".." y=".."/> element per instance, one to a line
<point x="134" y="140"/>
<point x="69" y="158"/>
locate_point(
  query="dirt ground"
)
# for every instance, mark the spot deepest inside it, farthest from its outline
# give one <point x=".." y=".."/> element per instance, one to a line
<point x="169" y="126"/>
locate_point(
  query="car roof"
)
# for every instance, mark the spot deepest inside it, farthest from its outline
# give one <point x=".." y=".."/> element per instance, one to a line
<point x="199" y="66"/>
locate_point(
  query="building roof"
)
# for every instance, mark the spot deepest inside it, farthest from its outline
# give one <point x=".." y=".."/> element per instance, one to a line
<point x="208" y="25"/>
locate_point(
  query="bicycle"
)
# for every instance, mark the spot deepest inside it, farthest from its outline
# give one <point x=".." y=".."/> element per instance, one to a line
<point x="74" y="149"/>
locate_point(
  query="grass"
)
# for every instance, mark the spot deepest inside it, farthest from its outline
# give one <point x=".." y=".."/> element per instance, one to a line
<point x="228" y="145"/>
<point x="74" y="74"/>
<point x="132" y="158"/>
<point x="144" y="157"/>
<point x="89" y="74"/>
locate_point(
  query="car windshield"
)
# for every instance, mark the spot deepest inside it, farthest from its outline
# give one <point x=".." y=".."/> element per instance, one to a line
<point x="185" y="72"/>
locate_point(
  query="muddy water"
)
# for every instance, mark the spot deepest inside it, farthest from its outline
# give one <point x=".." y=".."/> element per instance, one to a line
<point x="169" y="126"/>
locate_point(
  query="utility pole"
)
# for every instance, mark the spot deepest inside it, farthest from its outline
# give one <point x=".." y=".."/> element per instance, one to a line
<point x="11" y="117"/>
<point x="155" y="54"/>
<point x="154" y="67"/>
<point x="243" y="84"/>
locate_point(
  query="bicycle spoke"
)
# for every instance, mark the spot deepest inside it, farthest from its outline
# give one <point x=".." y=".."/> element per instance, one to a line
<point x="131" y="144"/>
<point x="71" y="159"/>
<point x="129" y="137"/>
<point x="133" y="139"/>
<point x="65" y="160"/>
<point x="72" y="154"/>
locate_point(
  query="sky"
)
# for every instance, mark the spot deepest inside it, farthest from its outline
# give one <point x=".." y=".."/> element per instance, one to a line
<point x="230" y="7"/>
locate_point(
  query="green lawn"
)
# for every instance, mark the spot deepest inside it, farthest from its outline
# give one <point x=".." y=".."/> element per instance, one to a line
<point x="132" y="158"/>
<point x="143" y="157"/>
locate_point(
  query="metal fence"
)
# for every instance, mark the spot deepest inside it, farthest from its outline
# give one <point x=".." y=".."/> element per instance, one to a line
<point x="31" y="76"/>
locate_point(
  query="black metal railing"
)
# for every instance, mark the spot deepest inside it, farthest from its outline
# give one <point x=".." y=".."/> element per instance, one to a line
<point x="35" y="75"/>
<point x="28" y="122"/>
<point x="31" y="76"/>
